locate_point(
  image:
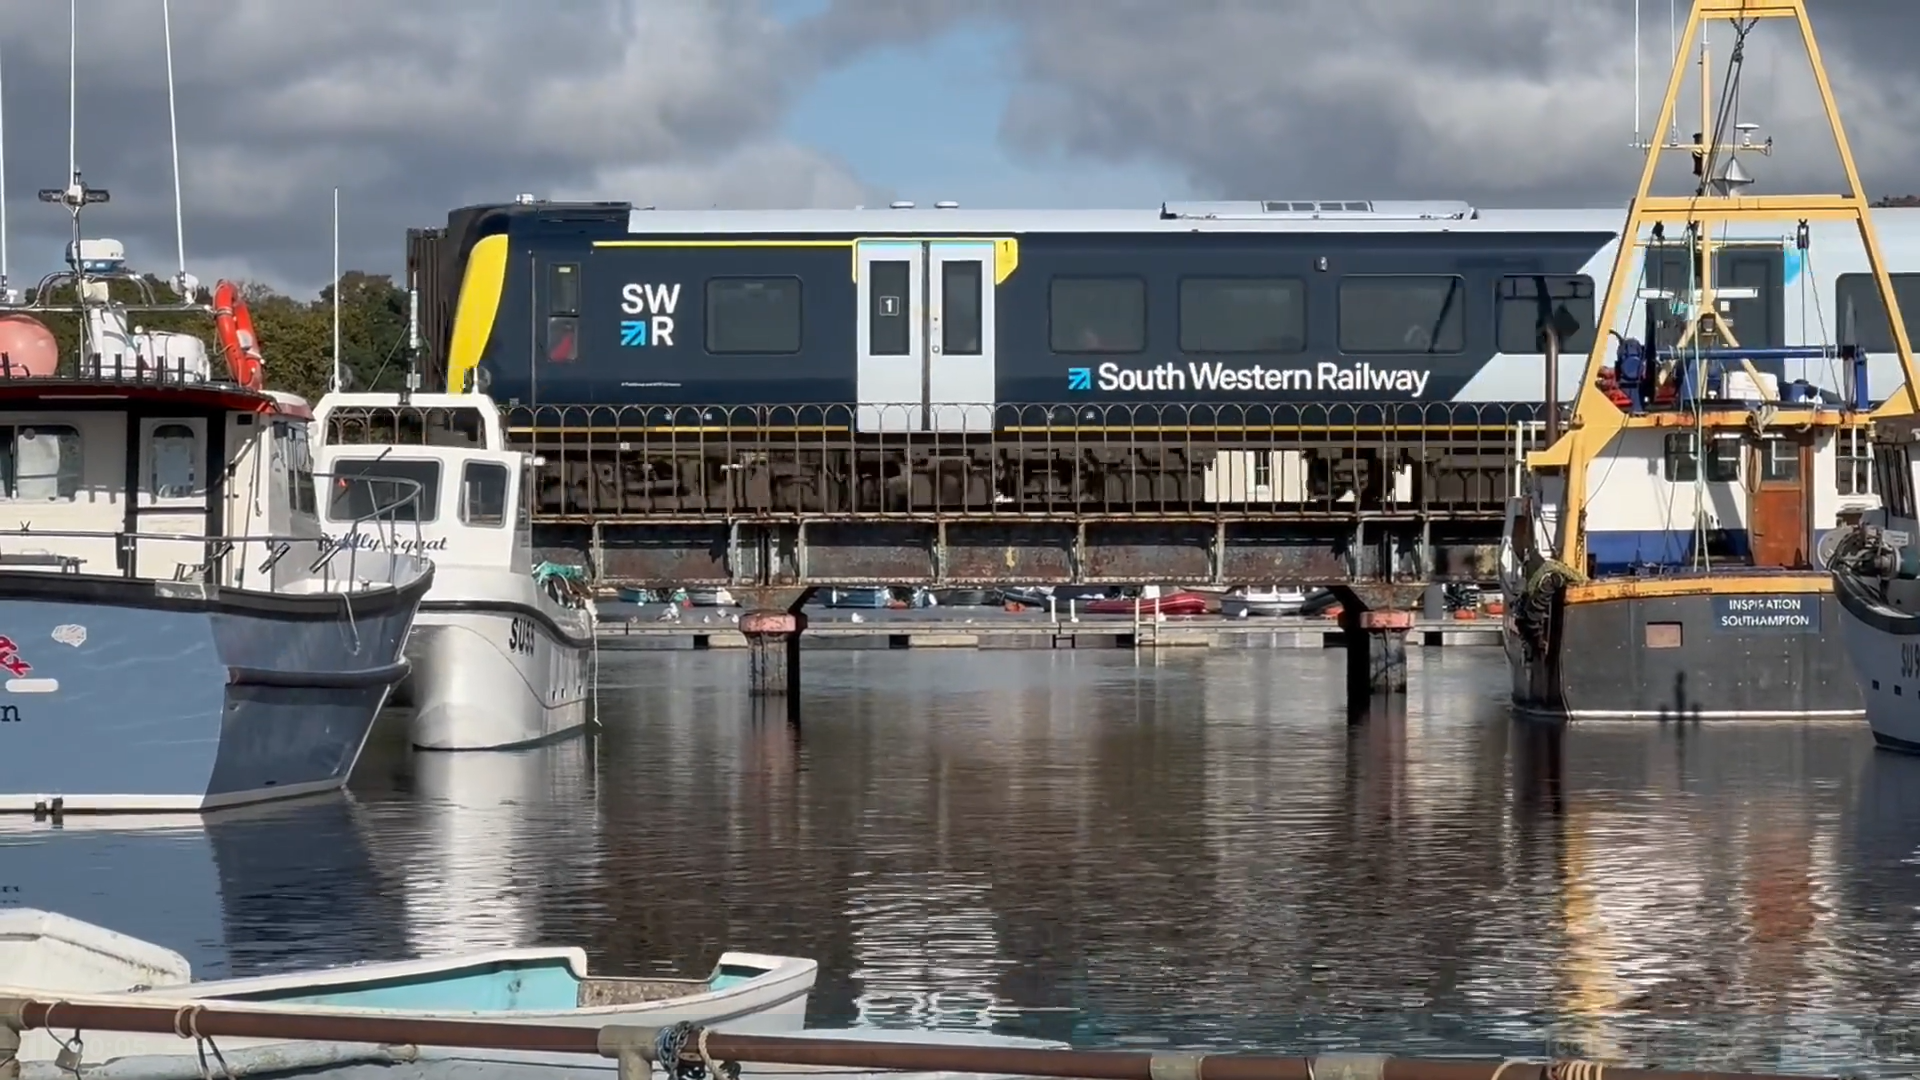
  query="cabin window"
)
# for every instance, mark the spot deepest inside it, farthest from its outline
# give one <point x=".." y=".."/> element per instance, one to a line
<point x="1852" y="462"/>
<point x="889" y="322"/>
<point x="40" y="462"/>
<point x="960" y="322"/>
<point x="1243" y="315"/>
<point x="1529" y="303"/>
<point x="1682" y="465"/>
<point x="1860" y="317"/>
<point x="1779" y="461"/>
<point x="173" y="466"/>
<point x="385" y="489"/>
<point x="1895" y="468"/>
<point x="563" y="289"/>
<point x="483" y="494"/>
<point x="753" y="316"/>
<point x="1402" y="313"/>
<point x="1097" y="315"/>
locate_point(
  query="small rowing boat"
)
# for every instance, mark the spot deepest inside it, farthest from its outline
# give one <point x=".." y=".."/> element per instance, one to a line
<point x="745" y="992"/>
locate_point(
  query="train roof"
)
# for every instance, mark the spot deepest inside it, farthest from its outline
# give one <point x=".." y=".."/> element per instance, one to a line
<point x="1350" y="216"/>
<point x="1223" y="217"/>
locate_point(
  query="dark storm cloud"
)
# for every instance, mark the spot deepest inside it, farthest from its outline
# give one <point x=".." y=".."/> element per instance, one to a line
<point x="1514" y="102"/>
<point x="411" y="108"/>
<point x="415" y="107"/>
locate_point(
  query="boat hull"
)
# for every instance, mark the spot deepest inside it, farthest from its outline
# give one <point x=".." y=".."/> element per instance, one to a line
<point x="493" y="676"/>
<point x="1883" y="647"/>
<point x="136" y="695"/>
<point x="1177" y="604"/>
<point x="1617" y="658"/>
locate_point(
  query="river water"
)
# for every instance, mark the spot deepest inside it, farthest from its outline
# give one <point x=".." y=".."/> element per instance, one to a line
<point x="1193" y="848"/>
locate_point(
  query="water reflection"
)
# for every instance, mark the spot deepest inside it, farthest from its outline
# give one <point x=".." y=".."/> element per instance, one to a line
<point x="240" y="892"/>
<point x="1195" y="846"/>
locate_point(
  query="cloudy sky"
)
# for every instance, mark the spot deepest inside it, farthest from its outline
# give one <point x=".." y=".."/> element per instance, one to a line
<point x="413" y="107"/>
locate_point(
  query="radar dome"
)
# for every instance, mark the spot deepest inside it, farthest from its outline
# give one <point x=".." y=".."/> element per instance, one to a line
<point x="28" y="347"/>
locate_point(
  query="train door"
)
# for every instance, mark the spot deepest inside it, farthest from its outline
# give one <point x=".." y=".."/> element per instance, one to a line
<point x="960" y="335"/>
<point x="1780" y="520"/>
<point x="892" y="335"/>
<point x="925" y="338"/>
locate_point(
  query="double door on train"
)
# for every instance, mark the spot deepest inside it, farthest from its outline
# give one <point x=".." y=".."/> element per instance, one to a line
<point x="926" y="321"/>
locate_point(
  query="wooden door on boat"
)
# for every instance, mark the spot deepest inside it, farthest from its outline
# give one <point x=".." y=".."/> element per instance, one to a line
<point x="172" y="497"/>
<point x="1778" y="507"/>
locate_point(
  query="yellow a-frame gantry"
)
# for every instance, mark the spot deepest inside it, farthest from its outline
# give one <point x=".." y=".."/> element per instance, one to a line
<point x="1596" y="420"/>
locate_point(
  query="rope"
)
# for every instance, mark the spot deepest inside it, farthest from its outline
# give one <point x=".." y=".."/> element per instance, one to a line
<point x="669" y="1050"/>
<point x="1575" y="1069"/>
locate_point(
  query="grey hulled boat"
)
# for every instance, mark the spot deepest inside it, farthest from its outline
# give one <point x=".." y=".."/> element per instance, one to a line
<point x="176" y="632"/>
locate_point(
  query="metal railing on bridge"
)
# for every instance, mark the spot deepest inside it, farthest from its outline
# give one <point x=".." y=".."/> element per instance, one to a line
<point x="1269" y="461"/>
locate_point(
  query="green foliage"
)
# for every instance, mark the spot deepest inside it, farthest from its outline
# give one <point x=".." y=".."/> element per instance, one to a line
<point x="296" y="336"/>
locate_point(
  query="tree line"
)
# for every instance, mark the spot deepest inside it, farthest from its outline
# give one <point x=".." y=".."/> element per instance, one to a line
<point x="296" y="336"/>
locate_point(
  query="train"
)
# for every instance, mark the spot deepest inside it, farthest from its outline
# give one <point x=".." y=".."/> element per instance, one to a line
<point x="1291" y="323"/>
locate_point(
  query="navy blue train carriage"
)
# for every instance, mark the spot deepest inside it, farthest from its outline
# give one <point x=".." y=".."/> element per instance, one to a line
<point x="1200" y="355"/>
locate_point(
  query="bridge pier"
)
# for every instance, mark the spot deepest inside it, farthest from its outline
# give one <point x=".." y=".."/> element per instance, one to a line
<point x="773" y="652"/>
<point x="1376" y="655"/>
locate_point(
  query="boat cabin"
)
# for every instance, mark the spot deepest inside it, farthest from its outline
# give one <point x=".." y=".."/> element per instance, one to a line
<point x="473" y="507"/>
<point x="124" y="474"/>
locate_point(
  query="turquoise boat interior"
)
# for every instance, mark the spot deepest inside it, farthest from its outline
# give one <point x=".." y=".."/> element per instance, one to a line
<point x="533" y="984"/>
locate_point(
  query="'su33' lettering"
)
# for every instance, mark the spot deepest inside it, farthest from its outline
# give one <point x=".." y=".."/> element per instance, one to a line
<point x="1909" y="660"/>
<point x="520" y="637"/>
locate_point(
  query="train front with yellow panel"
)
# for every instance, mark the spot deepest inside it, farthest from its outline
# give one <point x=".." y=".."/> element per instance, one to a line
<point x="1198" y="323"/>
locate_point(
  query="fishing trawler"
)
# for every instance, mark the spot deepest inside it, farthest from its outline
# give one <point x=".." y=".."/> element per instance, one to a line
<point x="503" y="653"/>
<point x="178" y="632"/>
<point x="1660" y="556"/>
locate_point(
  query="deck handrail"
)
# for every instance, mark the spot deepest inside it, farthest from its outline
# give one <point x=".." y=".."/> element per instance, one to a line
<point x="278" y="543"/>
<point x="635" y="1048"/>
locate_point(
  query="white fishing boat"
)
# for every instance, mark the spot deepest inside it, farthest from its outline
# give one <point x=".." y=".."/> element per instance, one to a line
<point x="1269" y="602"/>
<point x="745" y="992"/>
<point x="503" y="652"/>
<point x="1876" y="579"/>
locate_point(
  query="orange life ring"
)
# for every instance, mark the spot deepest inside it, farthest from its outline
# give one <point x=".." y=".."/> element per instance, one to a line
<point x="237" y="340"/>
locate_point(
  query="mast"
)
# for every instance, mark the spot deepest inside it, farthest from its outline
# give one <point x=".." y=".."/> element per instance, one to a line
<point x="1596" y="420"/>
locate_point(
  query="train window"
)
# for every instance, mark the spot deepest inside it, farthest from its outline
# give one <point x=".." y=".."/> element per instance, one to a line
<point x="753" y="316"/>
<point x="1758" y="320"/>
<point x="1097" y="315"/>
<point x="1526" y="304"/>
<point x="563" y="339"/>
<point x="1402" y="313"/>
<point x="563" y="289"/>
<point x="960" y="302"/>
<point x="889" y="331"/>
<point x="1862" y="318"/>
<point x="1243" y="315"/>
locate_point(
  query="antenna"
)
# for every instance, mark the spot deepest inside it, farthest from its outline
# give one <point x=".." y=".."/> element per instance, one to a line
<point x="73" y="88"/>
<point x="1636" y="72"/>
<point x="6" y="294"/>
<point x="413" y="330"/>
<point x="336" y="289"/>
<point x="181" y="283"/>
